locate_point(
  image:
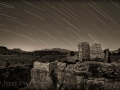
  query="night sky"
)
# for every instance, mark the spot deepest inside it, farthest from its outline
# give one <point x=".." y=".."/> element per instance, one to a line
<point x="39" y="24"/>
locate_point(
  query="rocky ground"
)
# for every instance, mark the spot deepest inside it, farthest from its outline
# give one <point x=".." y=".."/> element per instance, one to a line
<point x="60" y="75"/>
<point x="79" y="76"/>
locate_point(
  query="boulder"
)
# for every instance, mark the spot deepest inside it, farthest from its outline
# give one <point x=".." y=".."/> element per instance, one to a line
<point x="40" y="80"/>
<point x="42" y="66"/>
<point x="61" y="66"/>
<point x="70" y="81"/>
<point x="53" y="65"/>
<point x="60" y="78"/>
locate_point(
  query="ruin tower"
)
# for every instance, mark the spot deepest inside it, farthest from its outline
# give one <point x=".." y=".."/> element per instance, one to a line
<point x="84" y="51"/>
<point x="80" y="52"/>
<point x="107" y="56"/>
<point x="96" y="52"/>
<point x="96" y="47"/>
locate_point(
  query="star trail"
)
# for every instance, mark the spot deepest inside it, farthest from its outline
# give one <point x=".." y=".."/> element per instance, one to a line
<point x="38" y="24"/>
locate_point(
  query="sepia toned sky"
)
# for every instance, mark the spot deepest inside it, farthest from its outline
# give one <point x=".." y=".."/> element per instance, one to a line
<point x="38" y="24"/>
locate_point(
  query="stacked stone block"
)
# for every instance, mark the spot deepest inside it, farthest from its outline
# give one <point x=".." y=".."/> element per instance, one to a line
<point x="107" y="55"/>
<point x="84" y="51"/>
<point x="96" y="52"/>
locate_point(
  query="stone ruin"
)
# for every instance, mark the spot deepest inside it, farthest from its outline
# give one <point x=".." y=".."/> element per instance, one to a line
<point x="87" y="53"/>
<point x="63" y="76"/>
<point x="84" y="51"/>
<point x="57" y="76"/>
<point x="96" y="52"/>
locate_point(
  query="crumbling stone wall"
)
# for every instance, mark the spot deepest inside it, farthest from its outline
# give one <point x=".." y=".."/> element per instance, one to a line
<point x="84" y="51"/>
<point x="96" y="52"/>
<point x="65" y="76"/>
<point x="57" y="76"/>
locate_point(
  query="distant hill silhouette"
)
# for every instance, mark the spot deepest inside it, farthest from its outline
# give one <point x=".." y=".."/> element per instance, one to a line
<point x="18" y="50"/>
<point x="56" y="49"/>
<point x="2" y="48"/>
<point x="116" y="51"/>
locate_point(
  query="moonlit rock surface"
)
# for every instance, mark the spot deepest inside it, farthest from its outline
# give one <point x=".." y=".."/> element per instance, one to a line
<point x="41" y="66"/>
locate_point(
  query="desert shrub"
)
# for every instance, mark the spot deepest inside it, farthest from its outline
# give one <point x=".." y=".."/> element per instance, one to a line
<point x="110" y="71"/>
